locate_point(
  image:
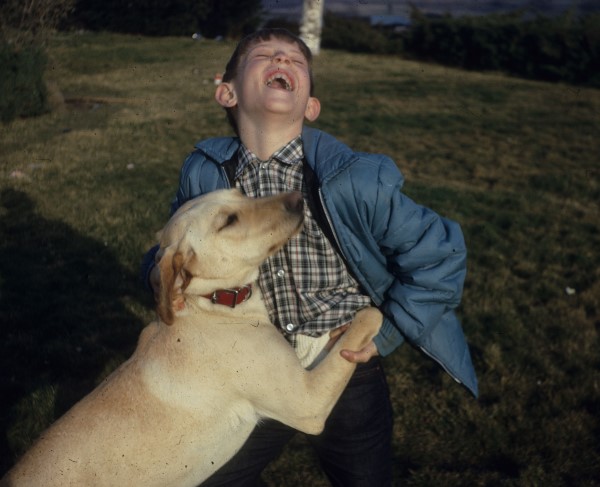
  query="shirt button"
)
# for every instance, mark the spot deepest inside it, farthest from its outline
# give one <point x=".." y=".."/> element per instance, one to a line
<point x="290" y="327"/>
<point x="280" y="273"/>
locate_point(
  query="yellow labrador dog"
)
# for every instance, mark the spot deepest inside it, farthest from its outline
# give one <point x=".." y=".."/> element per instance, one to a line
<point x="203" y="375"/>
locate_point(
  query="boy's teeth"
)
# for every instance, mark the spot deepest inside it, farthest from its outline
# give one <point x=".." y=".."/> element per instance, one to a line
<point x="281" y="80"/>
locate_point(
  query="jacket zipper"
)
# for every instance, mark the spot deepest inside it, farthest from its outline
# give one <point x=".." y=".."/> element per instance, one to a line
<point x="331" y="227"/>
<point x="440" y="364"/>
<point x="375" y="299"/>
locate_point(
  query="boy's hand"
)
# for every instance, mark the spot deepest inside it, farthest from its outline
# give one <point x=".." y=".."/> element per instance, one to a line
<point x="359" y="356"/>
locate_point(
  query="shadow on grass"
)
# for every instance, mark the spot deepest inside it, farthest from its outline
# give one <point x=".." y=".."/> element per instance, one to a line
<point x="64" y="325"/>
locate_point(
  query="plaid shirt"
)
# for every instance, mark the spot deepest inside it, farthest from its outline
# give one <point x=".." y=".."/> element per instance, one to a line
<point x="306" y="286"/>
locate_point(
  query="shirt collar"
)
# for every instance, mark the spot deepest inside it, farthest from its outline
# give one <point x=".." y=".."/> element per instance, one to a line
<point x="291" y="153"/>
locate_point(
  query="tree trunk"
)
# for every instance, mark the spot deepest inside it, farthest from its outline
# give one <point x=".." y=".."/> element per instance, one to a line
<point x="312" y="22"/>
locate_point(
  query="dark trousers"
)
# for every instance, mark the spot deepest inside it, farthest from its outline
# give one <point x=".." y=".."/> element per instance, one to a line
<point x="354" y="450"/>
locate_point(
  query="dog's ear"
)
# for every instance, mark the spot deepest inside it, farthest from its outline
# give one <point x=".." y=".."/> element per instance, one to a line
<point x="174" y="279"/>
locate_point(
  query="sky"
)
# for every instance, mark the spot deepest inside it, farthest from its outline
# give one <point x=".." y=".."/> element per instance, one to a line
<point x="455" y="7"/>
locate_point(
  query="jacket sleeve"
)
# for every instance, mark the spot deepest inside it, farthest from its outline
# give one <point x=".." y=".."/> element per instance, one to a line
<point x="190" y="180"/>
<point x="426" y="256"/>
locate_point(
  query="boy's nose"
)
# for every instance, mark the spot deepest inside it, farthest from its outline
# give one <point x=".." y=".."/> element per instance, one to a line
<point x="281" y="57"/>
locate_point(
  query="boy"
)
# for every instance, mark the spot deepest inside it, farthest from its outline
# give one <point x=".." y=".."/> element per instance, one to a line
<point x="363" y="243"/>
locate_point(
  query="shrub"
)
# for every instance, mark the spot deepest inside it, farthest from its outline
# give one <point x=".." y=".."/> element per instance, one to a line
<point x="176" y="17"/>
<point x="22" y="88"/>
<point x="562" y="48"/>
<point x="24" y="31"/>
<point x="353" y="35"/>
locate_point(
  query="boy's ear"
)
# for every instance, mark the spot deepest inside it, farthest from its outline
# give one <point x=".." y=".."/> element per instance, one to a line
<point x="225" y="95"/>
<point x="313" y="109"/>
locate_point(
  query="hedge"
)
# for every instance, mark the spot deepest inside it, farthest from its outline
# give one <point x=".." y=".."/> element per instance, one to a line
<point x="22" y="87"/>
<point x="564" y="48"/>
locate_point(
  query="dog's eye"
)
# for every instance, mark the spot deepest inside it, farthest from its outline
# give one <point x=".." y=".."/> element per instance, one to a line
<point x="230" y="220"/>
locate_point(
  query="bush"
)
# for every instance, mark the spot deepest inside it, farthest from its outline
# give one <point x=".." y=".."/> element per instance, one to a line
<point x="353" y="35"/>
<point x="147" y="17"/>
<point x="173" y="18"/>
<point x="22" y="88"/>
<point x="24" y="31"/>
<point x="563" y="48"/>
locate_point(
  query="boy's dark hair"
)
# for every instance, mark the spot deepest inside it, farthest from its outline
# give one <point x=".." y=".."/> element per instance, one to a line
<point x="249" y="41"/>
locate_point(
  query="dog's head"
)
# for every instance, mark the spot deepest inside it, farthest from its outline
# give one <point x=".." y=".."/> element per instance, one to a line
<point x="217" y="241"/>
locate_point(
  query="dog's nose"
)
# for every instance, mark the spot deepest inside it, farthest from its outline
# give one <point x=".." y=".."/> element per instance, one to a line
<point x="294" y="203"/>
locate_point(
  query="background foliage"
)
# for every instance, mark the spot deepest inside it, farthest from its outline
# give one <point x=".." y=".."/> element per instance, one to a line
<point x="562" y="48"/>
<point x="176" y="17"/>
<point x="22" y="82"/>
<point x="24" y="30"/>
<point x="356" y="35"/>
<point x="83" y="190"/>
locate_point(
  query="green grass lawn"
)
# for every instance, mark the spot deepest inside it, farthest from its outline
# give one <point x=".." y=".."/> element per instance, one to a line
<point x="84" y="188"/>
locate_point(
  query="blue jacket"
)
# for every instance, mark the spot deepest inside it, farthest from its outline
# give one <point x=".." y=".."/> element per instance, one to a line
<point x="408" y="259"/>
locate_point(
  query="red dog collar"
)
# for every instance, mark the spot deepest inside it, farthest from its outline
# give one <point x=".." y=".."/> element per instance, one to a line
<point x="230" y="297"/>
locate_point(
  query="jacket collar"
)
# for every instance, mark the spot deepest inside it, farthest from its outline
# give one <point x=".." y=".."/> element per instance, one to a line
<point x="330" y="153"/>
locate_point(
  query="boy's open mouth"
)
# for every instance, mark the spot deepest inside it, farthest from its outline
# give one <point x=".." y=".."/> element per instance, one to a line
<point x="280" y="80"/>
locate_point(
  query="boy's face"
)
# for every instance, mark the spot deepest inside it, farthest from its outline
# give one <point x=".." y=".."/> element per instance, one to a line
<point x="273" y="79"/>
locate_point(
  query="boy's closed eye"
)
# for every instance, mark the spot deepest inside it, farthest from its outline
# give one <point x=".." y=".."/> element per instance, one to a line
<point x="296" y="59"/>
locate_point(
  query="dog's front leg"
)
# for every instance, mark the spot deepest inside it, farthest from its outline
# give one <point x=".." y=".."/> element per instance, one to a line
<point x="303" y="399"/>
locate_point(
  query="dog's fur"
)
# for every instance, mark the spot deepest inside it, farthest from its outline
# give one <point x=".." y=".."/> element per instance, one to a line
<point x="203" y="375"/>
